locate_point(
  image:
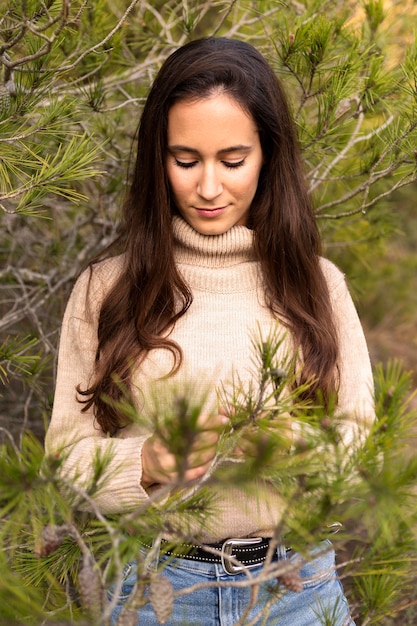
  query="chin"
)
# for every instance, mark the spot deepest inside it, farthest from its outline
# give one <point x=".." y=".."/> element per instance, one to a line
<point x="212" y="229"/>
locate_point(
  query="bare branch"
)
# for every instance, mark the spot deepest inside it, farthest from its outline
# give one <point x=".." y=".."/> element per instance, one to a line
<point x="103" y="41"/>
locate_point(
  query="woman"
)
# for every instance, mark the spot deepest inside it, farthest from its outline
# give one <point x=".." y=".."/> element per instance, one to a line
<point x="218" y="242"/>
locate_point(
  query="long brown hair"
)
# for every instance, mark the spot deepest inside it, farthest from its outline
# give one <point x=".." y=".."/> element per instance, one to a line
<point x="150" y="295"/>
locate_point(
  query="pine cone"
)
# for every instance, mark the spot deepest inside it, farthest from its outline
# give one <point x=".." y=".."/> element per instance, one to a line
<point x="161" y="597"/>
<point x="89" y="586"/>
<point x="4" y="99"/>
<point x="52" y="538"/>
<point x="292" y="581"/>
<point x="127" y="617"/>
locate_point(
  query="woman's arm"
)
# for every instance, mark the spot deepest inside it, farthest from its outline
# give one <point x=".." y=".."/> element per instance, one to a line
<point x="76" y="436"/>
<point x="356" y="386"/>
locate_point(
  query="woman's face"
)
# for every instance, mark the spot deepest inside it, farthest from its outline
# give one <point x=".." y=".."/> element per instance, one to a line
<point x="213" y="162"/>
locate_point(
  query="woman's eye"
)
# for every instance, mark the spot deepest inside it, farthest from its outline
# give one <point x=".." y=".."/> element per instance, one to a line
<point x="233" y="164"/>
<point x="228" y="164"/>
<point x="185" y="164"/>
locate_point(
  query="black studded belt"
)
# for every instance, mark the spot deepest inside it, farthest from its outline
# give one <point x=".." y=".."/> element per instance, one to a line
<point x="250" y="552"/>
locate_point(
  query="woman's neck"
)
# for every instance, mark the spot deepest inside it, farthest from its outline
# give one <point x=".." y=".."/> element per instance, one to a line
<point x="226" y="250"/>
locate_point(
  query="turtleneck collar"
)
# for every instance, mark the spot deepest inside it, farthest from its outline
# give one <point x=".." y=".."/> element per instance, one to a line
<point x="223" y="264"/>
<point x="231" y="248"/>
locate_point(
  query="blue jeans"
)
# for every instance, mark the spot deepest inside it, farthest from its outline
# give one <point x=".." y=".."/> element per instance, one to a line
<point x="320" y="603"/>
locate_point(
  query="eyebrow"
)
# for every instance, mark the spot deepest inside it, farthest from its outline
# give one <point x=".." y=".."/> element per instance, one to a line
<point x="238" y="148"/>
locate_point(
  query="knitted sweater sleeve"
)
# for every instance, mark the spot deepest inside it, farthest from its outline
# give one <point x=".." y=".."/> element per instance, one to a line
<point x="74" y="435"/>
<point x="356" y="387"/>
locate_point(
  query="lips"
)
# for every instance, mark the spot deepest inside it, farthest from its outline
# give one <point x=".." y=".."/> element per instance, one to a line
<point x="210" y="212"/>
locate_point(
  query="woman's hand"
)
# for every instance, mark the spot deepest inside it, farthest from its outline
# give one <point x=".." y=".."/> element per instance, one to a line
<point x="159" y="465"/>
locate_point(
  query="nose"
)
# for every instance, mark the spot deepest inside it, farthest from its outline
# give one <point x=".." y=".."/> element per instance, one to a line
<point x="209" y="185"/>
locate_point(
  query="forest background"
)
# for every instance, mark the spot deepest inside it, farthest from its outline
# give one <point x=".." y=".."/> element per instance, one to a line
<point x="73" y="77"/>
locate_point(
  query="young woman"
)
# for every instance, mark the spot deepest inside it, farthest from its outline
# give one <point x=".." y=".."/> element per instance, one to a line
<point x="218" y="242"/>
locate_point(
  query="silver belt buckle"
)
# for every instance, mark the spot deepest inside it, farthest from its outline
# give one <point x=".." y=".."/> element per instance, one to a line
<point x="227" y="552"/>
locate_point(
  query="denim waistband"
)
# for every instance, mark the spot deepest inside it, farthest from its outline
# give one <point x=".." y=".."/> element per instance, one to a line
<point x="214" y="566"/>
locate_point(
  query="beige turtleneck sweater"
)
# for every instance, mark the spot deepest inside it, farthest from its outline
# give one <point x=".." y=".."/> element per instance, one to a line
<point x="216" y="335"/>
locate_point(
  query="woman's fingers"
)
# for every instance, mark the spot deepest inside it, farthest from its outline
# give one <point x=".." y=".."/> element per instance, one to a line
<point x="159" y="465"/>
<point x="157" y="462"/>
